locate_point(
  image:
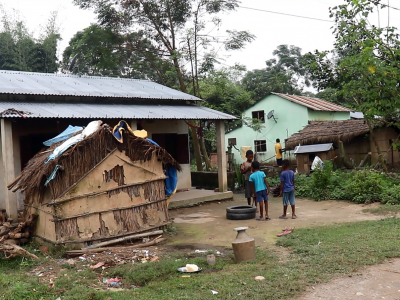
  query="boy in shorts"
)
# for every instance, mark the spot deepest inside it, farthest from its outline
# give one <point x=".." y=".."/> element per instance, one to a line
<point x="287" y="190"/>
<point x="246" y="171"/>
<point x="260" y="189"/>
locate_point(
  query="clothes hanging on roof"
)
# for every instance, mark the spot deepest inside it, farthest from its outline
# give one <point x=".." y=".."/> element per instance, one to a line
<point x="153" y="142"/>
<point x="119" y="129"/>
<point x="66" y="134"/>
<point x="171" y="181"/>
<point x="88" y="131"/>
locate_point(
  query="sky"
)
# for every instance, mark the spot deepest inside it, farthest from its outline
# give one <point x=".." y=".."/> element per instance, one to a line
<point x="271" y="30"/>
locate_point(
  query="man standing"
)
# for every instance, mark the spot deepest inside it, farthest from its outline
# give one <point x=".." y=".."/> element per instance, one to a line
<point x="278" y="152"/>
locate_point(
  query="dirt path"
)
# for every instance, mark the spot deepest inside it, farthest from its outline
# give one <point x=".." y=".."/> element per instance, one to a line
<point x="207" y="224"/>
<point x="375" y="282"/>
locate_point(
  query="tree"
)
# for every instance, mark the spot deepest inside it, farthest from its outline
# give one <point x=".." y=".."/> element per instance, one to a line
<point x="366" y="63"/>
<point x="98" y="51"/>
<point x="20" y="51"/>
<point x="283" y="74"/>
<point x="178" y="30"/>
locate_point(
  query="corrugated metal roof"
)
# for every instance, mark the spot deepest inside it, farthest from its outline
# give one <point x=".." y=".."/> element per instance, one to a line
<point x="109" y="111"/>
<point x="313" y="148"/>
<point x="314" y="103"/>
<point x="26" y="83"/>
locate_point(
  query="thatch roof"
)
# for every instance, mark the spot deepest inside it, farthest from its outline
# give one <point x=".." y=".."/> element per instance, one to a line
<point x="318" y="132"/>
<point x="78" y="160"/>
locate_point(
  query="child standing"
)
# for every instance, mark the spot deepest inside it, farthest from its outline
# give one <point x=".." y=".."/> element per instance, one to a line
<point x="287" y="189"/>
<point x="260" y="189"/>
<point x="246" y="171"/>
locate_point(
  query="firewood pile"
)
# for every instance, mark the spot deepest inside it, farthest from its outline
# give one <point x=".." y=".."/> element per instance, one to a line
<point x="13" y="234"/>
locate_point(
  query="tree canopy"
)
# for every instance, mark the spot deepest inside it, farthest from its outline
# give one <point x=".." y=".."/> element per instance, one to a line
<point x="20" y="51"/>
<point x="364" y="67"/>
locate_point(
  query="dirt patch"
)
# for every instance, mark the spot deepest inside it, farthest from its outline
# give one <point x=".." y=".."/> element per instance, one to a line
<point x="375" y="282"/>
<point x="207" y="224"/>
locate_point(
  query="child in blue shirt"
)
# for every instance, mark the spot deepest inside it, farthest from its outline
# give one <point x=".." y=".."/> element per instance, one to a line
<point x="287" y="189"/>
<point x="260" y="189"/>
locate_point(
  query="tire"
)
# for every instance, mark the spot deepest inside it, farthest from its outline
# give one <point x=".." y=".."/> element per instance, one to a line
<point x="246" y="216"/>
<point x="241" y="209"/>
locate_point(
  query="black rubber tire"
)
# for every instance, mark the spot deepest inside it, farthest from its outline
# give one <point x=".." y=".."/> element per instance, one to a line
<point x="241" y="209"/>
<point x="246" y="216"/>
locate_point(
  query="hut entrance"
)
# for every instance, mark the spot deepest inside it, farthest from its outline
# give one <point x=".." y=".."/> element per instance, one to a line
<point x="176" y="144"/>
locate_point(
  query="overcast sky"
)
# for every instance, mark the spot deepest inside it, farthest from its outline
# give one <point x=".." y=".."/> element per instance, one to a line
<point x="270" y="29"/>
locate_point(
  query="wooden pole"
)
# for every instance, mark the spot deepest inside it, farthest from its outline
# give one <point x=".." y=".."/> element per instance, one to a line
<point x="221" y="154"/>
<point x="126" y="238"/>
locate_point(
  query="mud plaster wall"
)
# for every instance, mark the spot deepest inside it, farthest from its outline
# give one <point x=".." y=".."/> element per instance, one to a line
<point x="106" y="204"/>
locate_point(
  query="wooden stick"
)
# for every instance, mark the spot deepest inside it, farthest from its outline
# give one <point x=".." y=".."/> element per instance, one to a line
<point x="75" y="253"/>
<point x="126" y="238"/>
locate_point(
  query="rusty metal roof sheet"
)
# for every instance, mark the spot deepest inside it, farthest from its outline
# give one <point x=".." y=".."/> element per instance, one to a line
<point x="314" y="103"/>
<point x="109" y="111"/>
<point x="27" y="83"/>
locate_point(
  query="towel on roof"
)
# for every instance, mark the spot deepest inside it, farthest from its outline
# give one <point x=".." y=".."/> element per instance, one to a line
<point x="119" y="130"/>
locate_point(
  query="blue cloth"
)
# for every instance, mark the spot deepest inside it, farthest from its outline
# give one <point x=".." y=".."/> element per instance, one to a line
<point x="153" y="142"/>
<point x="288" y="197"/>
<point x="118" y="130"/>
<point x="65" y="135"/>
<point x="261" y="196"/>
<point x="258" y="179"/>
<point x="287" y="177"/>
<point x="172" y="181"/>
<point x="52" y="175"/>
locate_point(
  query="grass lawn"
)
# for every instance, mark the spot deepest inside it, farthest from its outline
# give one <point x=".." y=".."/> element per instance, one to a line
<point x="310" y="256"/>
<point x="384" y="210"/>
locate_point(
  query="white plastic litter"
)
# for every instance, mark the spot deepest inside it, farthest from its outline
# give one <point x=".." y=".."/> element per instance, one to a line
<point x="317" y="163"/>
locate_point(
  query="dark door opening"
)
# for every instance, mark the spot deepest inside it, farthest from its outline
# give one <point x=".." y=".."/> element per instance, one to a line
<point x="176" y="144"/>
<point x="32" y="144"/>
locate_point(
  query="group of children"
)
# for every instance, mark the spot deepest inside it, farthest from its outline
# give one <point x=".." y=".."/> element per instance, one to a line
<point x="256" y="187"/>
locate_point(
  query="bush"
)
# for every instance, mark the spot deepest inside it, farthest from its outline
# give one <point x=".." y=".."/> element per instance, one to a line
<point x="365" y="186"/>
<point x="391" y="195"/>
<point x="321" y="181"/>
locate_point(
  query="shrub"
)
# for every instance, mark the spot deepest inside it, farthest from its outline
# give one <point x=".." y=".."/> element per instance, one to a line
<point x="391" y="195"/>
<point x="365" y="186"/>
<point x="321" y="181"/>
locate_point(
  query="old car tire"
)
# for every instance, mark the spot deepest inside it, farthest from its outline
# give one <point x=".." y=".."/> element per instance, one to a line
<point x="241" y="209"/>
<point x="235" y="216"/>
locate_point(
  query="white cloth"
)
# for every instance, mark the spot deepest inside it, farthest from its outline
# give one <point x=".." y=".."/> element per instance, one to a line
<point x="317" y="163"/>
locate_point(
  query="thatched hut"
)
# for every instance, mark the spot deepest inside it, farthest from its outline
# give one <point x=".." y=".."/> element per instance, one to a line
<point x="353" y="135"/>
<point x="98" y="189"/>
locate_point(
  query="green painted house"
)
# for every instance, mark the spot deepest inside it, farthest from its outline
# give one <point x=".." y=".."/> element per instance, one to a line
<point x="281" y="116"/>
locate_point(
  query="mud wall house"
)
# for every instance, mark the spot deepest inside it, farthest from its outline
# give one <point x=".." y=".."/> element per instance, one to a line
<point x="354" y="134"/>
<point x="35" y="107"/>
<point x="99" y="188"/>
<point x="291" y="113"/>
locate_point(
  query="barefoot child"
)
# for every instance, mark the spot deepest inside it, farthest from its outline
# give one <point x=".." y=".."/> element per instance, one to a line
<point x="260" y="189"/>
<point x="287" y="189"/>
<point x="246" y="171"/>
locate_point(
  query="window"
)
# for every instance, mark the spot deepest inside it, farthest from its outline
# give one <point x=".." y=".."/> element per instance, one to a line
<point x="259" y="115"/>
<point x="232" y="142"/>
<point x="260" y="146"/>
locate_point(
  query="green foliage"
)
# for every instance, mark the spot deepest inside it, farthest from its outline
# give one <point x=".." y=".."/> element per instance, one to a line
<point x="20" y="51"/>
<point x="321" y="181"/>
<point x="391" y="195"/>
<point x="359" y="186"/>
<point x="239" y="177"/>
<point x="283" y="74"/>
<point x="364" y="67"/>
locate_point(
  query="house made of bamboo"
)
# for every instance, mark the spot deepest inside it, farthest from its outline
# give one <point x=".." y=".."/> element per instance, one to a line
<point x="103" y="189"/>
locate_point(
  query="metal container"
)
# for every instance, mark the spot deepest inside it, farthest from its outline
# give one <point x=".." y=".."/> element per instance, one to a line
<point x="244" y="247"/>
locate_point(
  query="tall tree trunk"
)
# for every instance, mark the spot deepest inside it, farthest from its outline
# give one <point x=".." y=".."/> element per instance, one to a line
<point x="378" y="150"/>
<point x="205" y="154"/>
<point x="196" y="146"/>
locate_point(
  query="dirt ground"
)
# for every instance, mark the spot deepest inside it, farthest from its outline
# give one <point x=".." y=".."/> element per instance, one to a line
<point x="376" y="282"/>
<point x="207" y="224"/>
